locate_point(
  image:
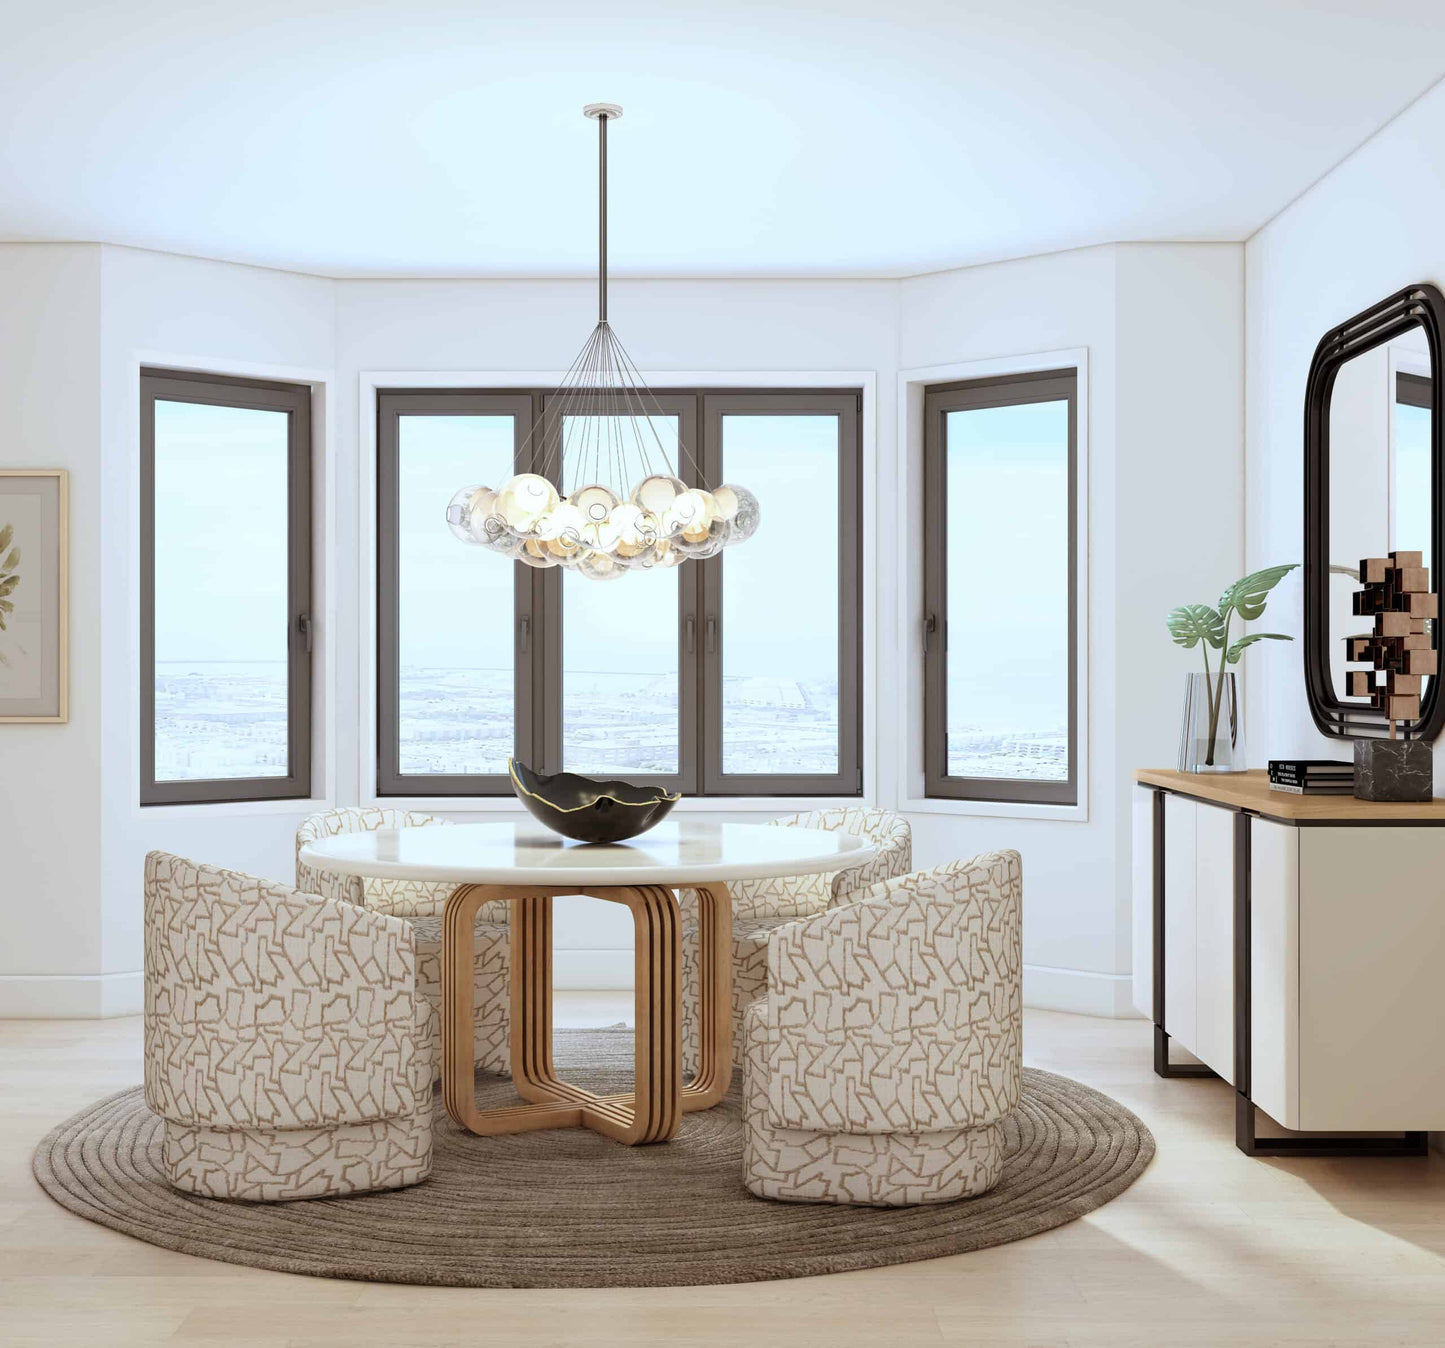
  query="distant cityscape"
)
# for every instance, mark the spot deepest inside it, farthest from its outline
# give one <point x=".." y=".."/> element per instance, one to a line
<point x="228" y="720"/>
<point x="1042" y="756"/>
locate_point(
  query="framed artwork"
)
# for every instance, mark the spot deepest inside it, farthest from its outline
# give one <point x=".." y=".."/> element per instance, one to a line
<point x="34" y="595"/>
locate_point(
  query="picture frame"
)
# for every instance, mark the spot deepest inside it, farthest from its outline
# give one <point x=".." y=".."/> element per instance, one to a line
<point x="35" y="596"/>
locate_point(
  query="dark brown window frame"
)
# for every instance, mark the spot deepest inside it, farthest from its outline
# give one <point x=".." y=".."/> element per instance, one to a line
<point x="295" y="401"/>
<point x="997" y="391"/>
<point x="538" y="602"/>
<point x="1414" y="390"/>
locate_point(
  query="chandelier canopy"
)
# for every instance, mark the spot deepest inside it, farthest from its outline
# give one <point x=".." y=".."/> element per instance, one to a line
<point x="625" y="507"/>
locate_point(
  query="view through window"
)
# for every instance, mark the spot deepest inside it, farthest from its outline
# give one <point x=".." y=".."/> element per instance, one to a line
<point x="780" y="600"/>
<point x="999" y="541"/>
<point x="228" y="693"/>
<point x="479" y="657"/>
<point x="455" y="606"/>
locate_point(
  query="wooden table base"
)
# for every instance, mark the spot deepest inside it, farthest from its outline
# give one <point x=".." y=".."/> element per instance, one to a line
<point x="653" y="1110"/>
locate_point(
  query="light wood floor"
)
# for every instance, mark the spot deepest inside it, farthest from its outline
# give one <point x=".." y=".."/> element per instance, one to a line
<point x="1208" y="1247"/>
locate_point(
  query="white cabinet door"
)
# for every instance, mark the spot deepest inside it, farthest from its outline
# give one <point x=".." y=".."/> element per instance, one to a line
<point x="1214" y="939"/>
<point x="1179" y="936"/>
<point x="1371" y="997"/>
<point x="1274" y="890"/>
<point x="1144" y="902"/>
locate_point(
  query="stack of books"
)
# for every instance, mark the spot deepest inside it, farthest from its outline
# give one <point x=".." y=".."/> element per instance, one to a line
<point x="1312" y="776"/>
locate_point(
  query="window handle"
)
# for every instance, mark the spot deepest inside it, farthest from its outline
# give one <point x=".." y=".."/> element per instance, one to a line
<point x="689" y="627"/>
<point x="306" y="628"/>
<point x="930" y="626"/>
<point x="711" y="634"/>
<point x="525" y="630"/>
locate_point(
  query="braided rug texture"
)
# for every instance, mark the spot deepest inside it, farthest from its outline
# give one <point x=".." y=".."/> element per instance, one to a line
<point x="568" y="1208"/>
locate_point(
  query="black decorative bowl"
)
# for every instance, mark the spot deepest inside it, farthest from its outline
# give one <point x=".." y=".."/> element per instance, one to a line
<point x="590" y="811"/>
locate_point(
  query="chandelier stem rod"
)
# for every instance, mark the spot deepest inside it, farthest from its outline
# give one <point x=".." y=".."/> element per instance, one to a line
<point x="602" y="219"/>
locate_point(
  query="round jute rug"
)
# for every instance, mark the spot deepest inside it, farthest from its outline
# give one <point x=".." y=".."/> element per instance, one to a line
<point x="568" y="1208"/>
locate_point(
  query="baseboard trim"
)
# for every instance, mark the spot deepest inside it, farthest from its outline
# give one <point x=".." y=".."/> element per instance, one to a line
<point x="97" y="996"/>
<point x="592" y="970"/>
<point x="71" y="996"/>
<point x="1080" y="991"/>
<point x="1083" y="992"/>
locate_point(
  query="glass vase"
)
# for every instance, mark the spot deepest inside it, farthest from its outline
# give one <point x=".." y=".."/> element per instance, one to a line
<point x="1211" y="739"/>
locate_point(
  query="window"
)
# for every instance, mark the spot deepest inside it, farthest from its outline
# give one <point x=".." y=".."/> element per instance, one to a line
<point x="226" y="625"/>
<point x="1000" y="601"/>
<point x="1410" y="494"/>
<point x="710" y="678"/>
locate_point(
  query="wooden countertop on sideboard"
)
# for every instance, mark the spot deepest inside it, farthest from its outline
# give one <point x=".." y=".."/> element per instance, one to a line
<point x="1250" y="791"/>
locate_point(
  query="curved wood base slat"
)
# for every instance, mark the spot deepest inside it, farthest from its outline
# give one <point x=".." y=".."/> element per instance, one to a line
<point x="652" y="1111"/>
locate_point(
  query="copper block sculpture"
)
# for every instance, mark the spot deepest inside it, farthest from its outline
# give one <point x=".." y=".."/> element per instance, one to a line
<point x="1400" y="652"/>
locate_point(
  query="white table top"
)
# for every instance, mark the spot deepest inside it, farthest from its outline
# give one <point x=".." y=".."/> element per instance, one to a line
<point x="677" y="852"/>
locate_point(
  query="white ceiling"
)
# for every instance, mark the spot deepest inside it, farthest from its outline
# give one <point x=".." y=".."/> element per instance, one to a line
<point x="761" y="137"/>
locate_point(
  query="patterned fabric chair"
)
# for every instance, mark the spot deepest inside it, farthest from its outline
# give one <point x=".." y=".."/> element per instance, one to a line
<point x="421" y="904"/>
<point x="888" y="1049"/>
<point x="761" y="906"/>
<point x="287" y="1046"/>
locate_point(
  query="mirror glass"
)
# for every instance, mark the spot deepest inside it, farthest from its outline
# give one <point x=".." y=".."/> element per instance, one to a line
<point x="1379" y="478"/>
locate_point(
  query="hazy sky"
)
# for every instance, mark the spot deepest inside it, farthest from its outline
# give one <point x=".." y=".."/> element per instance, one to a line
<point x="221" y="530"/>
<point x="220" y="498"/>
<point x="1008" y="558"/>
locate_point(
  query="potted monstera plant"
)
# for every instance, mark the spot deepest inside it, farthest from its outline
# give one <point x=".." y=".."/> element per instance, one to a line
<point x="1211" y="738"/>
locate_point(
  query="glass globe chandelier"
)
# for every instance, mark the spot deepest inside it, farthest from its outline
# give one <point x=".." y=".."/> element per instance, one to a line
<point x="625" y="507"/>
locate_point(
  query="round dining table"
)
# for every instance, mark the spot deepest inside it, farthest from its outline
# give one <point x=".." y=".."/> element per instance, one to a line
<point x="529" y="866"/>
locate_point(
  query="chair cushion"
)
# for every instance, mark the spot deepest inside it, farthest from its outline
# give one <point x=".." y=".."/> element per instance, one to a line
<point x="798" y="1165"/>
<point x="269" y="1008"/>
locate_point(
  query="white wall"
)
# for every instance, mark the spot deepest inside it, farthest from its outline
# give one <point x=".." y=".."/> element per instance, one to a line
<point x="188" y="313"/>
<point x="1363" y="232"/>
<point x="719" y="332"/>
<point x="50" y="774"/>
<point x="1160" y="323"/>
<point x="1155" y="323"/>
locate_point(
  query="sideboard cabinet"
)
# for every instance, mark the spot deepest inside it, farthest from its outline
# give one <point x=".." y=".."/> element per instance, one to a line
<point x="1295" y="947"/>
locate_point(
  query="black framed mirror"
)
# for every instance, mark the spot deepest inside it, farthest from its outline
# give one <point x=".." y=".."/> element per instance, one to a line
<point x="1374" y="476"/>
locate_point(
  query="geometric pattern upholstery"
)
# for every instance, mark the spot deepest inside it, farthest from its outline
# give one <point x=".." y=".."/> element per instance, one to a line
<point x="491" y="995"/>
<point x="422" y="905"/>
<point x="795" y="1165"/>
<point x="803" y="895"/>
<point x="400" y="898"/>
<point x="286" y="1044"/>
<point x="902" y="1012"/>
<point x="761" y="906"/>
<point x="898" y="1015"/>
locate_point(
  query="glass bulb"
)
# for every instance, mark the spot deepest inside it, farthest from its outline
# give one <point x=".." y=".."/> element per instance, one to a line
<point x="459" y="513"/>
<point x="563" y="523"/>
<point x="599" y="566"/>
<point x="688" y="511"/>
<point x="594" y="502"/>
<point x="594" y="506"/>
<point x="656" y="494"/>
<point x="727" y="502"/>
<point x="636" y="529"/>
<point x="524" y="500"/>
<point x="745" y="522"/>
<point x="534" y="553"/>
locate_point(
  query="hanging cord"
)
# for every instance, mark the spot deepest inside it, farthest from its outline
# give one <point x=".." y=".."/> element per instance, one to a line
<point x="604" y="391"/>
<point x="602" y="218"/>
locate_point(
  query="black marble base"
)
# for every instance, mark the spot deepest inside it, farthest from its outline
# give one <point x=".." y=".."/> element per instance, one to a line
<point x="1394" y="770"/>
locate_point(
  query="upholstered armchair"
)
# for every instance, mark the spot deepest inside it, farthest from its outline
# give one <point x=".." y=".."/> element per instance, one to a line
<point x="421" y="905"/>
<point x="887" y="1051"/>
<point x="287" y="1046"/>
<point x="761" y="906"/>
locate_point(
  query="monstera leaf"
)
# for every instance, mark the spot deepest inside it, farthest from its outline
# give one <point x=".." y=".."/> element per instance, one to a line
<point x="1236" y="648"/>
<point x="1195" y="623"/>
<point x="1247" y="597"/>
